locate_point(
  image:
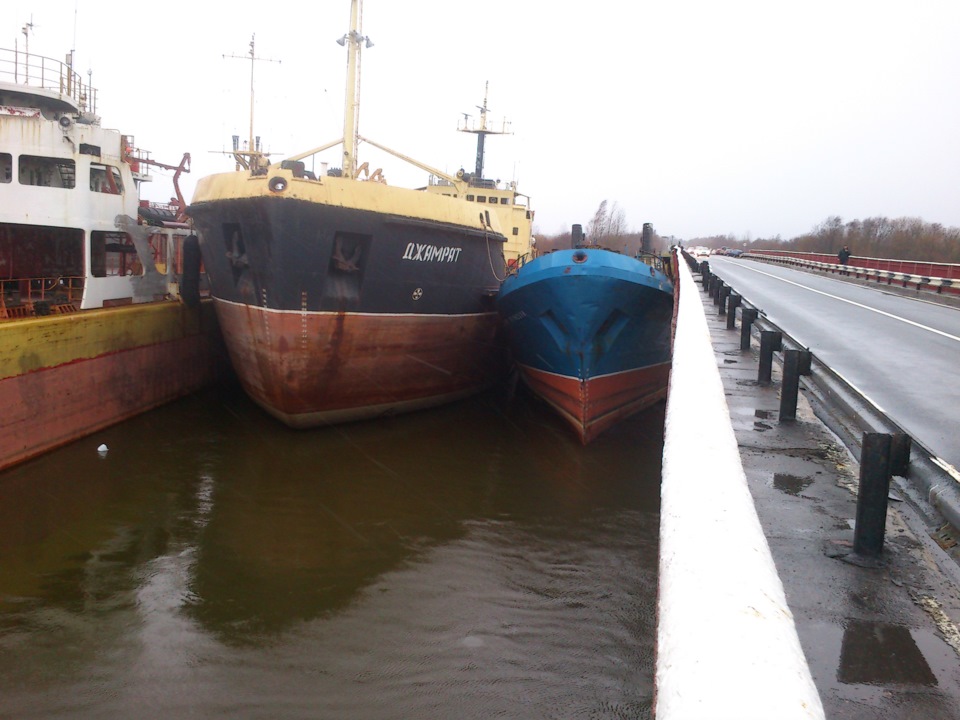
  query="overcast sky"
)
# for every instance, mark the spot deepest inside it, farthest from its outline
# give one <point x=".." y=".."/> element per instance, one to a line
<point x="752" y="118"/>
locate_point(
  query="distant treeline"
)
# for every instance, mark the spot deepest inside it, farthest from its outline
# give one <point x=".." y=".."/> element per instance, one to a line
<point x="899" y="239"/>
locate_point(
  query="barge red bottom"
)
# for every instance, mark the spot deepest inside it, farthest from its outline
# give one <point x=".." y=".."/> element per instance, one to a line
<point x="310" y="369"/>
<point x="593" y="405"/>
<point x="51" y="407"/>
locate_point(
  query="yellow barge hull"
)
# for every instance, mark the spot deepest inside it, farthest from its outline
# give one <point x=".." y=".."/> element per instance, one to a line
<point x="65" y="377"/>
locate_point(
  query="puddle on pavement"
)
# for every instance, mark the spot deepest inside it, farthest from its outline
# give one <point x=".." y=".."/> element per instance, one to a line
<point x="874" y="653"/>
<point x="791" y="484"/>
<point x="880" y="665"/>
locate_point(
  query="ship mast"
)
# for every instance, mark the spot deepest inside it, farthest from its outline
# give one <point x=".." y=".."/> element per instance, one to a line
<point x="248" y="158"/>
<point x="482" y="130"/>
<point x="351" y="113"/>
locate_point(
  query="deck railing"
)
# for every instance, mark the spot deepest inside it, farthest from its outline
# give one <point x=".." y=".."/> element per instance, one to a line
<point x="46" y="73"/>
<point x="25" y="297"/>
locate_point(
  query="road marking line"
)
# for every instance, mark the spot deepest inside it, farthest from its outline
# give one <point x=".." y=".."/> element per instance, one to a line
<point x="851" y="302"/>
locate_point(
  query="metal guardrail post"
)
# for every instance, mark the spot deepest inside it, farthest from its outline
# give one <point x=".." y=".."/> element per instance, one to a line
<point x="732" y="304"/>
<point x="715" y="291"/>
<point x="770" y="340"/>
<point x="872" y="495"/>
<point x="723" y="295"/>
<point x="790" y="388"/>
<point x="747" y="317"/>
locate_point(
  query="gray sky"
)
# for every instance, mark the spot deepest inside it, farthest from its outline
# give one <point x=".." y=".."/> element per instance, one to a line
<point x="753" y="118"/>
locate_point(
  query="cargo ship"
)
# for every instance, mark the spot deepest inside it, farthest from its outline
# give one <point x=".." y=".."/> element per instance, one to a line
<point x="590" y="331"/>
<point x="101" y="308"/>
<point x="344" y="298"/>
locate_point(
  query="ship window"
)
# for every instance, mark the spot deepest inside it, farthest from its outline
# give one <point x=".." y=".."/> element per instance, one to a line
<point x="516" y="231"/>
<point x="504" y="201"/>
<point x="481" y="198"/>
<point x="6" y="167"/>
<point x="47" y="172"/>
<point x="113" y="254"/>
<point x="470" y="198"/>
<point x="105" y="179"/>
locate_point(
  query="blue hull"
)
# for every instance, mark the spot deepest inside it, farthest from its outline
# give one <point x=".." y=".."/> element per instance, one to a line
<point x="590" y="331"/>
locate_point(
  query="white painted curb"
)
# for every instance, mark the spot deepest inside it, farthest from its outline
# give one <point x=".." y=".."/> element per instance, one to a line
<point x="727" y="646"/>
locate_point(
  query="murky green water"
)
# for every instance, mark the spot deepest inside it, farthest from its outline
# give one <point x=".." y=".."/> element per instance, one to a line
<point x="468" y="562"/>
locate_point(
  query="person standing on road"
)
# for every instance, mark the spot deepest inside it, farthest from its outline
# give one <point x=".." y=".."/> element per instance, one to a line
<point x="844" y="256"/>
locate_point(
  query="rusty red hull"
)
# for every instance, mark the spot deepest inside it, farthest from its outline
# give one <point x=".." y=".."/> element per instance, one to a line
<point x="82" y="373"/>
<point x="593" y="405"/>
<point x="317" y="368"/>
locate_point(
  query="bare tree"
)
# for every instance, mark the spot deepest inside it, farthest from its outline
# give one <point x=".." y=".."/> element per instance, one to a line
<point x="597" y="227"/>
<point x="616" y="227"/>
<point x="608" y="228"/>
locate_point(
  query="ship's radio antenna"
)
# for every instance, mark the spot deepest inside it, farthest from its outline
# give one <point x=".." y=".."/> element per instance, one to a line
<point x="252" y="55"/>
<point x="27" y="29"/>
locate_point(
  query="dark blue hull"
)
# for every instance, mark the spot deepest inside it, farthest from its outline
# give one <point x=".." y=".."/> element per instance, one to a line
<point x="590" y="331"/>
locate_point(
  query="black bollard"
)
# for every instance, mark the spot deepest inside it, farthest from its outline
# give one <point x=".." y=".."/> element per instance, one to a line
<point x="790" y="388"/>
<point x="724" y="294"/>
<point x="770" y="340"/>
<point x="732" y="304"/>
<point x="872" y="495"/>
<point x="806" y="362"/>
<point x="747" y="317"/>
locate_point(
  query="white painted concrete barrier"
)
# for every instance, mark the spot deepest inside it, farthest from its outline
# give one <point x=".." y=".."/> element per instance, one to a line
<point x="727" y="646"/>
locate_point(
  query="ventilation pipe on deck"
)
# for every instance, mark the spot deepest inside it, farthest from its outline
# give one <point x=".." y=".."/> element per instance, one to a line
<point x="576" y="236"/>
<point x="646" y="239"/>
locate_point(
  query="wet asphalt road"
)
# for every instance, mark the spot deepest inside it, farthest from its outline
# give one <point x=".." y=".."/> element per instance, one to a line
<point x="899" y="352"/>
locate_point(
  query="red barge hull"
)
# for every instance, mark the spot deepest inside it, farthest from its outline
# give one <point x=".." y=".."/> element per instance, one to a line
<point x="598" y="403"/>
<point x="65" y="377"/>
<point x="317" y="368"/>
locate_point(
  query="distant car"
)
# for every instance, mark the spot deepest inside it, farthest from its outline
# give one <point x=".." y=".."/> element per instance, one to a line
<point x="734" y="253"/>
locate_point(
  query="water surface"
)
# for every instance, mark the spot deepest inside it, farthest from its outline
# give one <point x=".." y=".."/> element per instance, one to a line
<point x="472" y="561"/>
